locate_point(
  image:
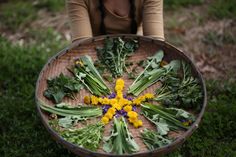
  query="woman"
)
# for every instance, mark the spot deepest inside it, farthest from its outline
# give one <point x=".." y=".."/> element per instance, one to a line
<point x="98" y="17"/>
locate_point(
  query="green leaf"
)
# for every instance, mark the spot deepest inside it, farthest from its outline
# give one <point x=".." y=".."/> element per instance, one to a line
<point x="120" y="141"/>
<point x="61" y="86"/>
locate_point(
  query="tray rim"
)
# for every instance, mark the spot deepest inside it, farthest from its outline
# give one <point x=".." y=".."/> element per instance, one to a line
<point x="157" y="152"/>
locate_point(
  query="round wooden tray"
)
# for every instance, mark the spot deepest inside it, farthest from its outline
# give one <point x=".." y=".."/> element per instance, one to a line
<point x="147" y="47"/>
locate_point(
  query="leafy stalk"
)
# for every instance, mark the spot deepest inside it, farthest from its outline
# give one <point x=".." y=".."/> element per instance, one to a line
<point x="153" y="73"/>
<point x="166" y="119"/>
<point x="87" y="74"/>
<point x="114" y="53"/>
<point x="153" y="139"/>
<point x="182" y="92"/>
<point x="120" y="141"/>
<point x="64" y="110"/>
<point x="88" y="137"/>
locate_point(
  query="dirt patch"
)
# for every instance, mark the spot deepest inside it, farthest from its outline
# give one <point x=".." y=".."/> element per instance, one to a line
<point x="204" y="40"/>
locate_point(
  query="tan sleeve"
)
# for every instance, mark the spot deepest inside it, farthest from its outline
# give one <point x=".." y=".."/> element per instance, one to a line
<point x="79" y="19"/>
<point x="153" y="19"/>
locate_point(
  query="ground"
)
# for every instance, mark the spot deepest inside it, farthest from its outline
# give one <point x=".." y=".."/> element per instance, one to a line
<point x="204" y="29"/>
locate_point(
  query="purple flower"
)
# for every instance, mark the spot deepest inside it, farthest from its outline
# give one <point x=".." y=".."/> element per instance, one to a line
<point x="105" y="108"/>
<point x="130" y="99"/>
<point x="112" y="95"/>
<point x="117" y="115"/>
<point x="134" y="108"/>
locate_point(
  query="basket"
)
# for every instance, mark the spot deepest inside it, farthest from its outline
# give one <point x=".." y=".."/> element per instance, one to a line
<point x="147" y="47"/>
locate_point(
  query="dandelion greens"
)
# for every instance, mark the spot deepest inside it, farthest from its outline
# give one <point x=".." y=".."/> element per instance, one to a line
<point x="114" y="53"/>
<point x="120" y="141"/>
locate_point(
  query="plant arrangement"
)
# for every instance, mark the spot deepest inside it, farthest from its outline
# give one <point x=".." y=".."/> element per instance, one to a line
<point x="166" y="108"/>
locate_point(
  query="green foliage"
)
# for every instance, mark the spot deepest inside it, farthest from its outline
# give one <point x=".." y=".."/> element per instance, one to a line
<point x="216" y="131"/>
<point x="174" y="4"/>
<point x="19" y="14"/>
<point x="51" y="5"/>
<point x="21" y="132"/>
<point x="215" y="39"/>
<point x="61" y="86"/>
<point x="88" y="137"/>
<point x="154" y="140"/>
<point x="114" y="54"/>
<point x="121" y="140"/>
<point x="223" y="9"/>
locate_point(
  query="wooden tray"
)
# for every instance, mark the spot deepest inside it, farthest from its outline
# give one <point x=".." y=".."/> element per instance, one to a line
<point x="147" y="47"/>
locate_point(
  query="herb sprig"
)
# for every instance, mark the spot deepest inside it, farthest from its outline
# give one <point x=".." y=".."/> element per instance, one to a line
<point x="61" y="86"/>
<point x="88" y="137"/>
<point x="87" y="74"/>
<point x="182" y="92"/>
<point x="166" y="119"/>
<point x="153" y="139"/>
<point x="152" y="73"/>
<point x="114" y="53"/>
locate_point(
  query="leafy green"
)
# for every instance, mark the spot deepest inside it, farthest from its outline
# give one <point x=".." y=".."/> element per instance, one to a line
<point x="154" y="140"/>
<point x="87" y="74"/>
<point x="88" y="137"/>
<point x="152" y="73"/>
<point x="166" y="119"/>
<point x="185" y="92"/>
<point x="120" y="141"/>
<point x="77" y="111"/>
<point x="61" y="86"/>
<point x="114" y="53"/>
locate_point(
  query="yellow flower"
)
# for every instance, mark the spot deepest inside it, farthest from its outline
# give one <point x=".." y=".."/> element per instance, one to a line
<point x="138" y="123"/>
<point x="113" y="101"/>
<point x="87" y="100"/>
<point x="94" y="100"/>
<point x="142" y="98"/>
<point x="120" y="82"/>
<point x="119" y="95"/>
<point x="129" y="102"/>
<point x="79" y="62"/>
<point x="117" y="106"/>
<point x="100" y="100"/>
<point x="132" y="114"/>
<point x="105" y="101"/>
<point x="105" y="120"/>
<point x="128" y="108"/>
<point x="111" y="110"/>
<point x="108" y="115"/>
<point x="132" y="120"/>
<point x="122" y="102"/>
<point x="149" y="96"/>
<point x="136" y="102"/>
<point x="119" y="88"/>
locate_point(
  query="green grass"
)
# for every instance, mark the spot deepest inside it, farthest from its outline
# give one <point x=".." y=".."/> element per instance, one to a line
<point x="175" y="4"/>
<point x="22" y="133"/>
<point x="222" y="9"/>
<point x="17" y="14"/>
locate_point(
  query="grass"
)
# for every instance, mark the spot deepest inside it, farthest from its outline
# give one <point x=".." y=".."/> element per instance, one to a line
<point x="175" y="4"/>
<point x="17" y="14"/>
<point x="215" y="39"/>
<point x="222" y="9"/>
<point x="22" y="134"/>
